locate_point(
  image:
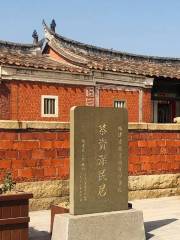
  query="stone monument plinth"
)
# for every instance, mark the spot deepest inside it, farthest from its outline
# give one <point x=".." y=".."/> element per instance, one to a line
<point x="118" y="225"/>
<point x="99" y="179"/>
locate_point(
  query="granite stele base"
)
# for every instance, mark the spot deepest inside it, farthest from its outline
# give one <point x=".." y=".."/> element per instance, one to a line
<point x="118" y="225"/>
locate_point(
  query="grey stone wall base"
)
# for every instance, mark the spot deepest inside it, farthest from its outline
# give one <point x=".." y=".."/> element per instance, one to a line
<point x="152" y="182"/>
<point x="119" y="225"/>
<point x="154" y="186"/>
<point x="155" y="193"/>
<point x="45" y="203"/>
<point x="45" y="189"/>
<point x="47" y="193"/>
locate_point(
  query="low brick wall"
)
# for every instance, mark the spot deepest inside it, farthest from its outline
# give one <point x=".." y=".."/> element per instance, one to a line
<point x="35" y="151"/>
<point x="154" y="151"/>
<point x="39" y="151"/>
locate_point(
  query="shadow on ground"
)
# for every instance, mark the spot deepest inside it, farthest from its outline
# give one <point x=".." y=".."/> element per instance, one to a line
<point x="38" y="235"/>
<point x="150" y="226"/>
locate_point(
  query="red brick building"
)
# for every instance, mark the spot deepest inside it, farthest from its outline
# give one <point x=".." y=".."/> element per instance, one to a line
<point x="44" y="80"/>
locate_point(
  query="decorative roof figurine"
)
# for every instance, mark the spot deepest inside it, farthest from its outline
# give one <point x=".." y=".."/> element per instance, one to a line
<point x="35" y="37"/>
<point x="53" y="25"/>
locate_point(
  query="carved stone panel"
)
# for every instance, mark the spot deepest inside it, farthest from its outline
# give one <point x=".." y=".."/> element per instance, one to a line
<point x="98" y="165"/>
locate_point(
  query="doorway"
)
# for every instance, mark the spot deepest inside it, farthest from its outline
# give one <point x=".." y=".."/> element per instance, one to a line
<point x="166" y="111"/>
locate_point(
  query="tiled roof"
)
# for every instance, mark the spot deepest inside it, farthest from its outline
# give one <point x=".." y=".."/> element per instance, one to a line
<point x="30" y="56"/>
<point x="20" y="47"/>
<point x="83" y="58"/>
<point x="111" y="60"/>
<point x="140" y="67"/>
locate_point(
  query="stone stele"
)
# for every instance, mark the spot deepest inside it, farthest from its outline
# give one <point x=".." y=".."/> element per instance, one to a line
<point x="98" y="160"/>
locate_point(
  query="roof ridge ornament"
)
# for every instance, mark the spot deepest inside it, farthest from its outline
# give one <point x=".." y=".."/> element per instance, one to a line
<point x="53" y="26"/>
<point x="35" y="37"/>
<point x="43" y="23"/>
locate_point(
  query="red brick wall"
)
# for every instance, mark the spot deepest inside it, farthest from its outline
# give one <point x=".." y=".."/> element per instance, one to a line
<point x="107" y="98"/>
<point x="35" y="155"/>
<point x="4" y="101"/>
<point x="21" y="100"/>
<point x="26" y="100"/>
<point x="154" y="152"/>
<point x="43" y="154"/>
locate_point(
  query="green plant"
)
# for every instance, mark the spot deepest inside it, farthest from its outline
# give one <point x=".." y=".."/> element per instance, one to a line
<point x="8" y="183"/>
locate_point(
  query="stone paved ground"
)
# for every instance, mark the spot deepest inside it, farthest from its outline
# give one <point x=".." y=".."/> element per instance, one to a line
<point x="161" y="217"/>
<point x="39" y="225"/>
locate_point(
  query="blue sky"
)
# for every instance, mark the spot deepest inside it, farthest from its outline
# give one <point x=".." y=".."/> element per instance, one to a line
<point x="150" y="27"/>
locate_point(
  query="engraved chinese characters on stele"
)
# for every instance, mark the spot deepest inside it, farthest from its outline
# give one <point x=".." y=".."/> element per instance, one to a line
<point x="98" y="160"/>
